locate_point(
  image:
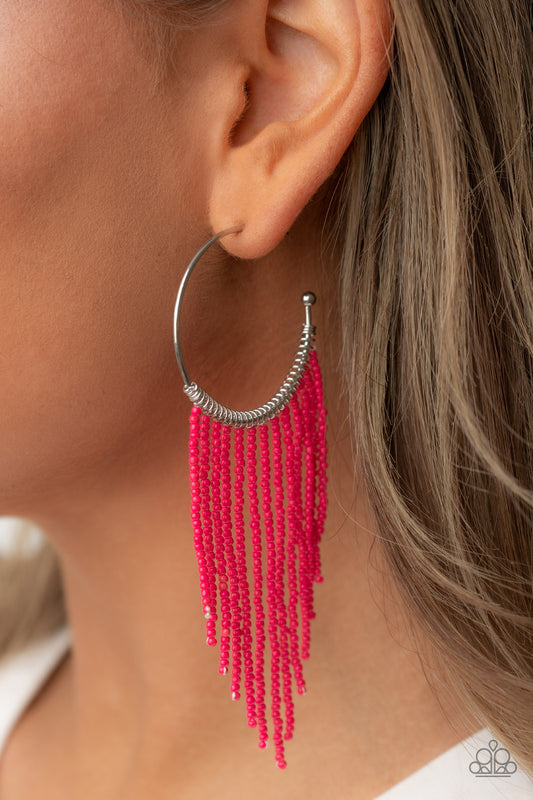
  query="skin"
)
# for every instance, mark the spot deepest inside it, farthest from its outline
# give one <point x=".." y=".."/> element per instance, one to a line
<point x="109" y="182"/>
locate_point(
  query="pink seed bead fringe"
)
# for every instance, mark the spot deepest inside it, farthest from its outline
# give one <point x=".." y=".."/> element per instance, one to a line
<point x="286" y="508"/>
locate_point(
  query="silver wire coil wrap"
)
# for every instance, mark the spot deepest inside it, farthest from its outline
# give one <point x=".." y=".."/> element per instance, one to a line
<point x="248" y="419"/>
<point x="257" y="416"/>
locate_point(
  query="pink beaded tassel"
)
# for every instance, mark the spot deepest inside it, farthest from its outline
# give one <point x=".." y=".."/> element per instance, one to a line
<point x="280" y="467"/>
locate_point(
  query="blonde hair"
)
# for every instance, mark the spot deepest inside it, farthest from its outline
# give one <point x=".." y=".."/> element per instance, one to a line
<point x="432" y="206"/>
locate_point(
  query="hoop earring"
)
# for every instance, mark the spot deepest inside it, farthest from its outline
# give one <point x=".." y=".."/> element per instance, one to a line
<point x="287" y="509"/>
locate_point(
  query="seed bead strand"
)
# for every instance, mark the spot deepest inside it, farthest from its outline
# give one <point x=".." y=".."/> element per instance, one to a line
<point x="268" y="521"/>
<point x="303" y="552"/>
<point x="315" y="536"/>
<point x="322" y="460"/>
<point x="293" y="542"/>
<point x="281" y="549"/>
<point x="306" y="559"/>
<point x="207" y="527"/>
<point x="272" y="599"/>
<point x="194" y="474"/>
<point x="240" y="548"/>
<point x="313" y="405"/>
<point x="234" y="632"/>
<point x="255" y="524"/>
<point x="216" y="498"/>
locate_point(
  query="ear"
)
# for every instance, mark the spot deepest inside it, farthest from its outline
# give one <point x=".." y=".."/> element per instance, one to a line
<point x="313" y="69"/>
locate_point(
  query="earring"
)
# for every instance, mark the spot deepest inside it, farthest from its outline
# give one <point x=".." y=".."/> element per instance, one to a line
<point x="286" y="509"/>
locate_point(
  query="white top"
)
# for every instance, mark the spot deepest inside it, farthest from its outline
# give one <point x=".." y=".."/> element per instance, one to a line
<point x="477" y="768"/>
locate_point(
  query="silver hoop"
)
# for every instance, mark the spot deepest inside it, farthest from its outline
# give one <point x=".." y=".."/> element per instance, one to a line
<point x="204" y="401"/>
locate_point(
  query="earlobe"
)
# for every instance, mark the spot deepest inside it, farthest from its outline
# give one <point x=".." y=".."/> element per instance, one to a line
<point x="312" y="79"/>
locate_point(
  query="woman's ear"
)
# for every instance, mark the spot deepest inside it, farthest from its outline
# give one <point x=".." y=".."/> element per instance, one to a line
<point x="313" y="69"/>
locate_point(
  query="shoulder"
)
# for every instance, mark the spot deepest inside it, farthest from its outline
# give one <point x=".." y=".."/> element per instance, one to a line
<point x="23" y="673"/>
<point x="478" y="768"/>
